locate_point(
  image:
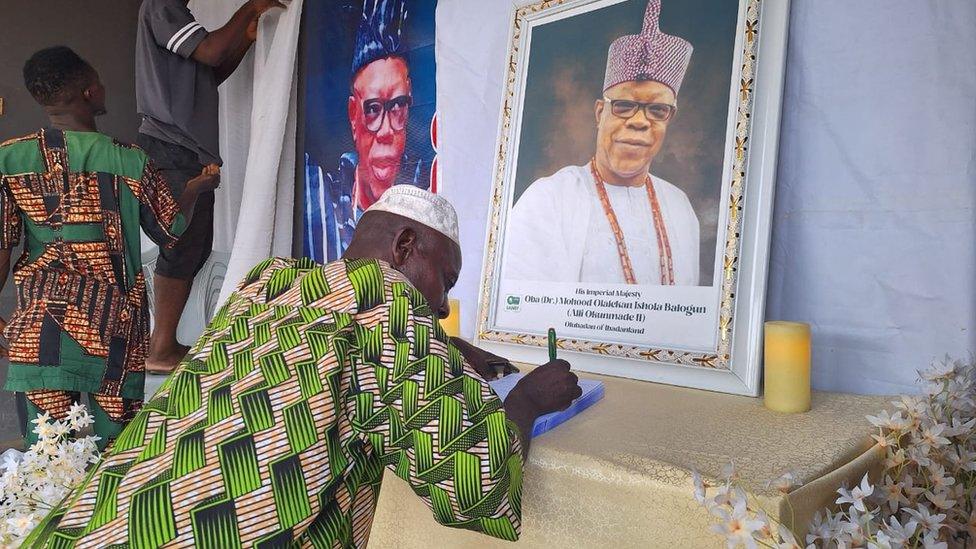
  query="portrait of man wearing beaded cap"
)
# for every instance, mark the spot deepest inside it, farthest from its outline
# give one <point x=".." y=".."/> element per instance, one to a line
<point x="603" y="191"/>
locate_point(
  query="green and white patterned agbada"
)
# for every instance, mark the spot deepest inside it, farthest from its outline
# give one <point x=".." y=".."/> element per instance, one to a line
<point x="275" y="430"/>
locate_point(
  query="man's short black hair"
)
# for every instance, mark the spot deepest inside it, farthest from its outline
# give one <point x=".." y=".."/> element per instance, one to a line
<point x="53" y="75"/>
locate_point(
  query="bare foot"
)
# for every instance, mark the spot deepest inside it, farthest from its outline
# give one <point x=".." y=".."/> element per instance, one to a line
<point x="165" y="363"/>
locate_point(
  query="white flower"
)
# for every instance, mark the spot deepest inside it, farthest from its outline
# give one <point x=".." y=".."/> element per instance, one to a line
<point x="784" y="483"/>
<point x="886" y="440"/>
<point x="899" y="534"/>
<point x="11" y="461"/>
<point x="931" y="436"/>
<point x="893" y="493"/>
<point x="40" y="479"/>
<point x="911" y="489"/>
<point x="856" y="496"/>
<point x="855" y="528"/>
<point x="885" y="420"/>
<point x="737" y="527"/>
<point x="728" y="495"/>
<point x="43" y="417"/>
<point x="928" y="482"/>
<point x="931" y="541"/>
<point x="895" y="459"/>
<point x="960" y="458"/>
<point x="729" y="473"/>
<point x="940" y="499"/>
<point x="913" y="406"/>
<point x="21" y="524"/>
<point x="817" y="531"/>
<point x="44" y="429"/>
<point x="699" y="487"/>
<point x="927" y="521"/>
<point x="959" y="427"/>
<point x="843" y="538"/>
<point x="880" y="541"/>
<point x="940" y="371"/>
<point x="51" y="494"/>
<point x="823" y="528"/>
<point x="919" y="454"/>
<point x="61" y="429"/>
<point x="963" y="391"/>
<point x="766" y="530"/>
<point x="46" y="446"/>
<point x="938" y="479"/>
<point x="79" y="418"/>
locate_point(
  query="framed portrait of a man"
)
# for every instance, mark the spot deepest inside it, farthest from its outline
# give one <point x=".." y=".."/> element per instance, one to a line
<point x="633" y="187"/>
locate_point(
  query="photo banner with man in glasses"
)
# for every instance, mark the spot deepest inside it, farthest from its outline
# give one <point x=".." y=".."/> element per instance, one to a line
<point x="615" y="221"/>
<point x="369" y="111"/>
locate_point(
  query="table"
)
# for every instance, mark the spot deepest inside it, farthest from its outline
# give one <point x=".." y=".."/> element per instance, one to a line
<point x="619" y="474"/>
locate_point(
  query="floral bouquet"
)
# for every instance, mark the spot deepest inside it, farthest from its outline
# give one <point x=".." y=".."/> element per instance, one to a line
<point x="39" y="479"/>
<point x="923" y="498"/>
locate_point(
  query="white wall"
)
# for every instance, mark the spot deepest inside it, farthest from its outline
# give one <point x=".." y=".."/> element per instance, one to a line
<point x="874" y="237"/>
<point x="472" y="47"/>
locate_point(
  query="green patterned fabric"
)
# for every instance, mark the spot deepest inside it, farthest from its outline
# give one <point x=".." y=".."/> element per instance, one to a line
<point x="275" y="430"/>
<point x="78" y="200"/>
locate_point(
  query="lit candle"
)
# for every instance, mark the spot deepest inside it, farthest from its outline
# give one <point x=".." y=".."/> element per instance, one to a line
<point x="787" y="366"/>
<point x="452" y="324"/>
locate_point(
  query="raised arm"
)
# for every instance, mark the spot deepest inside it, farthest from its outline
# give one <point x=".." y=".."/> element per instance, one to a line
<point x="226" y="45"/>
<point x="233" y="60"/>
<point x="175" y="29"/>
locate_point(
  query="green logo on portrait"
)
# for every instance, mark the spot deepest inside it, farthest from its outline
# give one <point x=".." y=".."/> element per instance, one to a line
<point x="512" y="303"/>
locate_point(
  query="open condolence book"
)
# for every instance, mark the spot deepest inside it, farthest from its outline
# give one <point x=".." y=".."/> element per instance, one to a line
<point x="592" y="392"/>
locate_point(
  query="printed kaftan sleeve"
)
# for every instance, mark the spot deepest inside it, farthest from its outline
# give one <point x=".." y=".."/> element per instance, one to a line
<point x="10" y="222"/>
<point x="159" y="213"/>
<point x="426" y="415"/>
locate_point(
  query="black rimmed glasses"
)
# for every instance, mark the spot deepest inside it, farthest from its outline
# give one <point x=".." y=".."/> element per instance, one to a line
<point x="375" y="110"/>
<point x="625" y="108"/>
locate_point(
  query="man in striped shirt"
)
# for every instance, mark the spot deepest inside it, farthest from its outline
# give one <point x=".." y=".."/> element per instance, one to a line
<point x="179" y="65"/>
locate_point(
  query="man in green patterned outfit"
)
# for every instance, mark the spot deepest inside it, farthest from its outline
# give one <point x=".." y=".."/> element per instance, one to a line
<point x="275" y="430"/>
<point x="80" y="197"/>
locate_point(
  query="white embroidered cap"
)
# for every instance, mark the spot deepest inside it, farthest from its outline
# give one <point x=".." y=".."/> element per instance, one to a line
<point x="421" y="206"/>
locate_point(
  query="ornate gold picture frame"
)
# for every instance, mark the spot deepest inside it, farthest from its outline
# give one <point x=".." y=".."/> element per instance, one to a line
<point x="656" y="341"/>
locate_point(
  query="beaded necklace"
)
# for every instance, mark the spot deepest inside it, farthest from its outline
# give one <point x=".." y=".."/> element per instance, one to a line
<point x="663" y="245"/>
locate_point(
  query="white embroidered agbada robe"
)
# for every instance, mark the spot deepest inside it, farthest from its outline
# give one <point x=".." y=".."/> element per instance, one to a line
<point x="558" y="232"/>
